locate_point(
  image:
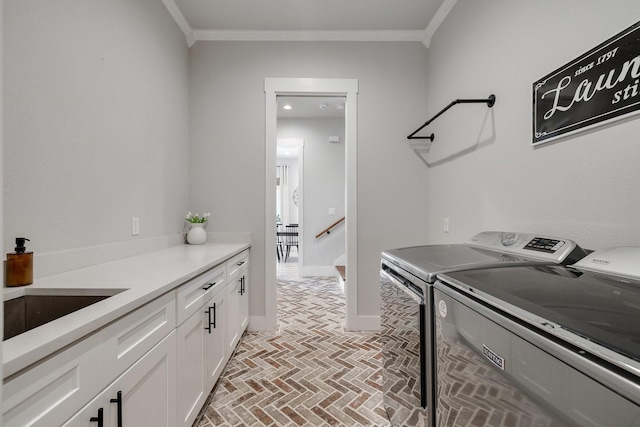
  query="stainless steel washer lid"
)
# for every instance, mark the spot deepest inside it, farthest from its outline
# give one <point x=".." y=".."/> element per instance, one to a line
<point x="597" y="313"/>
<point x="426" y="262"/>
<point x="484" y="250"/>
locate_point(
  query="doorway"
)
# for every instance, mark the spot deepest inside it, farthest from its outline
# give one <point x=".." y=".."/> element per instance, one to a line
<point x="289" y="212"/>
<point x="347" y="88"/>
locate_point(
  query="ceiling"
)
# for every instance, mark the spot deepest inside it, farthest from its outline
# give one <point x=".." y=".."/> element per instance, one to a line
<point x="307" y="107"/>
<point x="317" y="20"/>
<point x="310" y="107"/>
<point x="309" y="20"/>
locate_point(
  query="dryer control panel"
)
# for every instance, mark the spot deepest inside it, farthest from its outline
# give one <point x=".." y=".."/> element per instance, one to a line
<point x="530" y="246"/>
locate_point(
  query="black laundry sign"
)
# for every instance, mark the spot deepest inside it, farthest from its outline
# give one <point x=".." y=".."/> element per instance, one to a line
<point x="599" y="86"/>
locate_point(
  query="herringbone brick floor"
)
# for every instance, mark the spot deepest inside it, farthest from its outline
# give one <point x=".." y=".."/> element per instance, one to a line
<point x="308" y="373"/>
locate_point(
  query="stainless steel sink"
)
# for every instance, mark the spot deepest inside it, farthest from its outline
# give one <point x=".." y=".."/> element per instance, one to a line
<point x="31" y="307"/>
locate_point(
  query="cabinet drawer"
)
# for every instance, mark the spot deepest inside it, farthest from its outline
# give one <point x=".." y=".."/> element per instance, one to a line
<point x="129" y="338"/>
<point x="236" y="264"/>
<point x="46" y="394"/>
<point x="191" y="296"/>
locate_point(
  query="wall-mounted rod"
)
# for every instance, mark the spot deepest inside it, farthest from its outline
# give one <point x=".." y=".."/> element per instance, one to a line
<point x="489" y="101"/>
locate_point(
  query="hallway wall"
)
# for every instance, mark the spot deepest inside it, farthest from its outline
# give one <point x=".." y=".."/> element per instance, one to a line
<point x="228" y="139"/>
<point x="324" y="188"/>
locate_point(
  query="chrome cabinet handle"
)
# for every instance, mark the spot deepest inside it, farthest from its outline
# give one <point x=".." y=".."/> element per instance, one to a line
<point x="240" y="263"/>
<point x="118" y="401"/>
<point x="208" y="286"/>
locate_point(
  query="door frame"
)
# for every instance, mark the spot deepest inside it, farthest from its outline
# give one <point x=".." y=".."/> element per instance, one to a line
<point x="348" y="88"/>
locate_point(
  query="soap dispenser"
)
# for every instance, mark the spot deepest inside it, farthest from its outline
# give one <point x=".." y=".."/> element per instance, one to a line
<point x="19" y="265"/>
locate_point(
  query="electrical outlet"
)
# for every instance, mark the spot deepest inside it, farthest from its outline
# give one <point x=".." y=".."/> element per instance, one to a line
<point x="135" y="226"/>
<point x="446" y="225"/>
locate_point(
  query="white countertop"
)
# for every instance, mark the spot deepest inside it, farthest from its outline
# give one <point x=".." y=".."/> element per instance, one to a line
<point x="144" y="278"/>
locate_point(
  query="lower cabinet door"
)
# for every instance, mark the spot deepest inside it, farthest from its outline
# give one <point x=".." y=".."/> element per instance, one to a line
<point x="216" y="354"/>
<point x="46" y="394"/>
<point x="233" y="316"/>
<point x="143" y="396"/>
<point x="243" y="303"/>
<point x="192" y="388"/>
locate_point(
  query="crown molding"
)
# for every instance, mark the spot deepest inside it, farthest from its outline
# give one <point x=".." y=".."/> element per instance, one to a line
<point x="437" y="19"/>
<point x="358" y="36"/>
<point x="177" y="16"/>
<point x="423" y="36"/>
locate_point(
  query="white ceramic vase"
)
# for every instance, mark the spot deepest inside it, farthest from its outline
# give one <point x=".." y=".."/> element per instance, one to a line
<point x="197" y="234"/>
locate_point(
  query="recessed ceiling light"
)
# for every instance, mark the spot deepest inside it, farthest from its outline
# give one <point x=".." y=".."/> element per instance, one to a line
<point x="323" y="106"/>
<point x="287" y="107"/>
<point x="340" y="106"/>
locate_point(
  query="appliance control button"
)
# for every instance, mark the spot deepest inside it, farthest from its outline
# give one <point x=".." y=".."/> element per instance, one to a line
<point x="509" y="239"/>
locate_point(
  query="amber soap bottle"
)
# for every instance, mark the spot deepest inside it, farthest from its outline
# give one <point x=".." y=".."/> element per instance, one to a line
<point x="19" y="265"/>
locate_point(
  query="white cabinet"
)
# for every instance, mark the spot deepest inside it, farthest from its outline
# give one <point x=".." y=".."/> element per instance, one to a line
<point x="200" y="341"/>
<point x="148" y="389"/>
<point x="129" y="338"/>
<point x="48" y="393"/>
<point x="191" y="362"/>
<point x="156" y="365"/>
<point x="236" y="264"/>
<point x="237" y="299"/>
<point x="215" y="339"/>
<point x="144" y="396"/>
<point x="192" y="295"/>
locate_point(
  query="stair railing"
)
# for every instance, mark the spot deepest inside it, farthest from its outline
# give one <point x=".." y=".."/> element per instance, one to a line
<point x="331" y="227"/>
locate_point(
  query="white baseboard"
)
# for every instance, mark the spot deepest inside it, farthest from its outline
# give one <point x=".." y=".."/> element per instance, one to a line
<point x="257" y="324"/>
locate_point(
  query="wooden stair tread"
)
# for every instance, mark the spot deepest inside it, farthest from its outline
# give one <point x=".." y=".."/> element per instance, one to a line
<point x="343" y="271"/>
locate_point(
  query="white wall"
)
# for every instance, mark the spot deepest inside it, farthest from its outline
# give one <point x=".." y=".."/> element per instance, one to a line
<point x="228" y="140"/>
<point x="292" y="211"/>
<point x="96" y="122"/>
<point x="324" y="186"/>
<point x="583" y="187"/>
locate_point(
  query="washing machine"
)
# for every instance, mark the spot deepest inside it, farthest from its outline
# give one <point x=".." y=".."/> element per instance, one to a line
<point x="540" y="345"/>
<point x="407" y="276"/>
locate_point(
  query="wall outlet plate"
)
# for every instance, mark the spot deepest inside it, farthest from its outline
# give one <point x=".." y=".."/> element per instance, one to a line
<point x="135" y="226"/>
